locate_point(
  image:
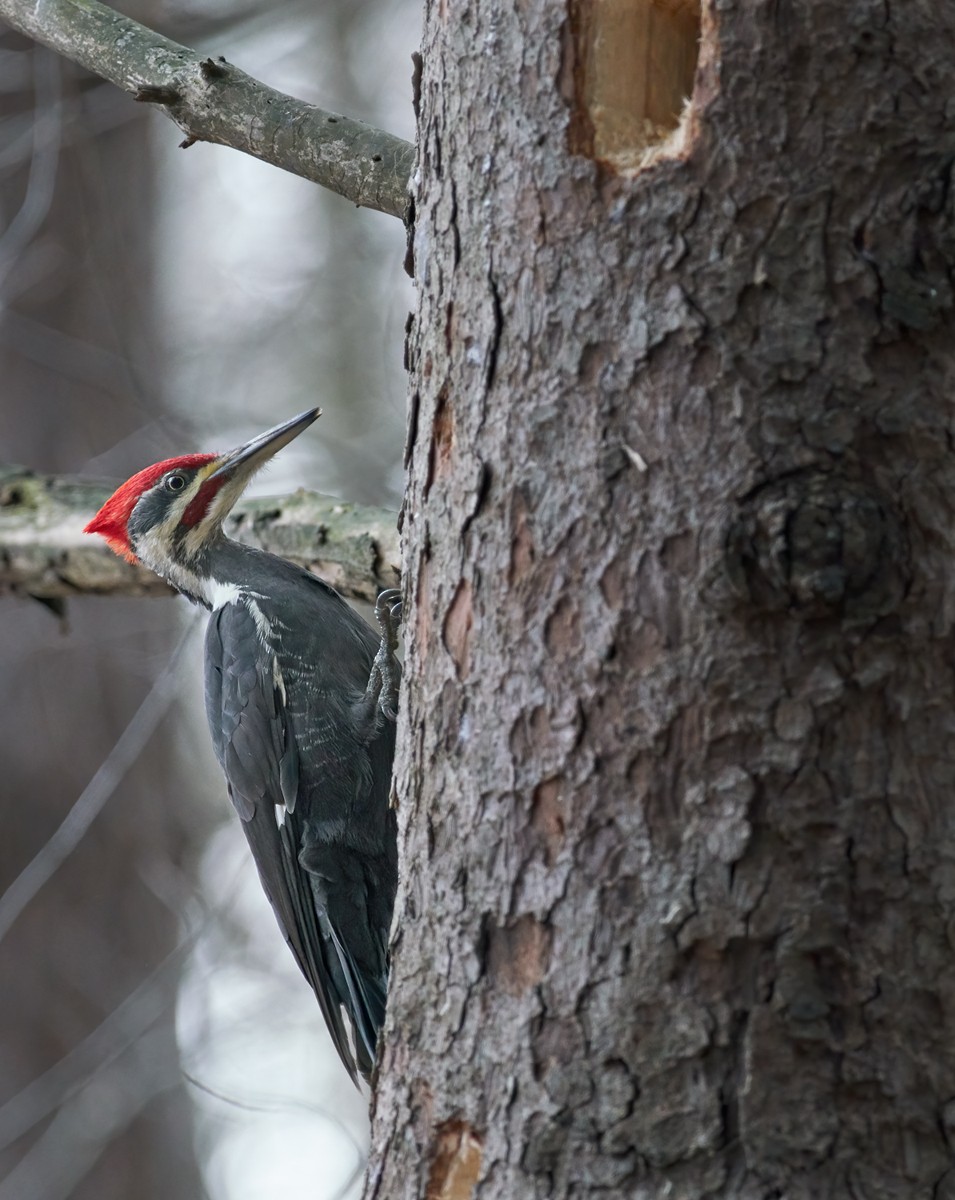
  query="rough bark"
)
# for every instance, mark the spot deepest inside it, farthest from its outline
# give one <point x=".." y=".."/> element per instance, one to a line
<point x="675" y="794"/>
<point x="213" y="101"/>
<point x="45" y="554"/>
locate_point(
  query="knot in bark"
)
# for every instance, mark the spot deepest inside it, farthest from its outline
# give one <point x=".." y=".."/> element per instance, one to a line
<point x="819" y="545"/>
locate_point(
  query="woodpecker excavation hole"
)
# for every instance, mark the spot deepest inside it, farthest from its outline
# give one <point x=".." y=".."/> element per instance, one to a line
<point x="634" y="62"/>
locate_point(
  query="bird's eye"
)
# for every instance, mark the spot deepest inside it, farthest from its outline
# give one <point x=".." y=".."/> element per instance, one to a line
<point x="175" y="483"/>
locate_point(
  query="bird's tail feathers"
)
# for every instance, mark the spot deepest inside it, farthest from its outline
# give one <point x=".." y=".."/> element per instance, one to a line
<point x="308" y="950"/>
<point x="365" y="1004"/>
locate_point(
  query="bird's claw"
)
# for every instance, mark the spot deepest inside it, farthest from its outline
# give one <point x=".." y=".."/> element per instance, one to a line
<point x="384" y="676"/>
<point x="388" y="610"/>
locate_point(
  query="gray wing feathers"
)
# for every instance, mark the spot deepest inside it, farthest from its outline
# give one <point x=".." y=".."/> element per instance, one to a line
<point x="256" y="750"/>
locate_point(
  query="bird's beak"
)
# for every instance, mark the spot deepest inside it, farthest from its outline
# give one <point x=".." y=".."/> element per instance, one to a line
<point x="253" y="454"/>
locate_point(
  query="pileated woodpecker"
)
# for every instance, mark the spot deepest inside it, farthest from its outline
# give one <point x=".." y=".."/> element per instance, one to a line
<point x="300" y="696"/>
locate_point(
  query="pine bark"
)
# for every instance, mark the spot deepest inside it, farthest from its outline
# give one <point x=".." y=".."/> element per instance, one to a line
<point x="675" y="795"/>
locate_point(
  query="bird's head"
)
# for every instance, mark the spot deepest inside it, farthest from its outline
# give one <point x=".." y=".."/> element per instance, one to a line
<point x="166" y="515"/>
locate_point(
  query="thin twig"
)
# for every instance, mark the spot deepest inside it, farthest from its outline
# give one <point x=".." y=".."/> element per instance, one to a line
<point x="127" y="749"/>
<point x="81" y="1130"/>
<point x="279" y="1104"/>
<point x="130" y="1020"/>
<point x="285" y="1104"/>
<point x="47" y="136"/>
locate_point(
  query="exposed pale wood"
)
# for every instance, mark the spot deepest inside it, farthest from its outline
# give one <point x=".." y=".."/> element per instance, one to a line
<point x="635" y="63"/>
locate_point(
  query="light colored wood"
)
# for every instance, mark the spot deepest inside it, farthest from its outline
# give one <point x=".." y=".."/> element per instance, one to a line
<point x="638" y="61"/>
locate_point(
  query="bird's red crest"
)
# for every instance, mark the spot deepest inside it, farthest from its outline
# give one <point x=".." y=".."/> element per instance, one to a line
<point x="112" y="519"/>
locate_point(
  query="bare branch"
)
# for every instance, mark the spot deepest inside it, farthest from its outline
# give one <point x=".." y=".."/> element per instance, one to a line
<point x="126" y="1025"/>
<point x="45" y="554"/>
<point x="213" y="101"/>
<point x="85" y="1125"/>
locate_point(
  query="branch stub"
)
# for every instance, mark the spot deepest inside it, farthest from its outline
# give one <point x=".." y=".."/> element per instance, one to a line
<point x="819" y="545"/>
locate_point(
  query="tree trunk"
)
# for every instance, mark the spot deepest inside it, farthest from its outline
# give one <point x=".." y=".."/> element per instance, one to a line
<point x="675" y="791"/>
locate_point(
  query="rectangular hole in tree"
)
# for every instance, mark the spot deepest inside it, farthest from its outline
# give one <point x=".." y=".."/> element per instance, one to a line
<point x="634" y="63"/>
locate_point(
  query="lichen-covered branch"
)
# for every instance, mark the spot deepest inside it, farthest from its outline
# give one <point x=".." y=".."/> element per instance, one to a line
<point x="45" y="554"/>
<point x="213" y="101"/>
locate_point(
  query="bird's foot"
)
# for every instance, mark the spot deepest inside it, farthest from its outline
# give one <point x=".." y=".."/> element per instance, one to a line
<point x="385" y="673"/>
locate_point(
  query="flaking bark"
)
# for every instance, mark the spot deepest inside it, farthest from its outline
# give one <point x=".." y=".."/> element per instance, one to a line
<point x="676" y="771"/>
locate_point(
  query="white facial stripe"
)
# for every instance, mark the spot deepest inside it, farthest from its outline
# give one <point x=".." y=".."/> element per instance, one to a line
<point x="216" y="513"/>
<point x="177" y="510"/>
<point x="151" y="549"/>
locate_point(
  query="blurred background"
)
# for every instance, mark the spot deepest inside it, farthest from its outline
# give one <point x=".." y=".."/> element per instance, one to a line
<point x="156" y="1040"/>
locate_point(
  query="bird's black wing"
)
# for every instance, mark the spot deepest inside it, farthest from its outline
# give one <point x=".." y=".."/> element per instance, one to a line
<point x="245" y="704"/>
